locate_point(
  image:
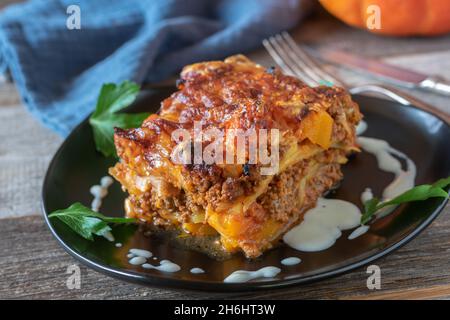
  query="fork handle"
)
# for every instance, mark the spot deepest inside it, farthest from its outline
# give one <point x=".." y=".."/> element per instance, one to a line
<point x="400" y="97"/>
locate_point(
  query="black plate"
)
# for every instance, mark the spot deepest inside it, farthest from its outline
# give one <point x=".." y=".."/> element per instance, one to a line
<point x="77" y="166"/>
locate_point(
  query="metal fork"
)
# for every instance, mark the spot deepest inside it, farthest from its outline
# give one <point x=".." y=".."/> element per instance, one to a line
<point x="294" y="60"/>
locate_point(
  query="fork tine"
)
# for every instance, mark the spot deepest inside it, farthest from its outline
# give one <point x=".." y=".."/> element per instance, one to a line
<point x="298" y="66"/>
<point x="294" y="60"/>
<point x="310" y="65"/>
<point x="277" y="58"/>
<point x="282" y="58"/>
<point x="278" y="43"/>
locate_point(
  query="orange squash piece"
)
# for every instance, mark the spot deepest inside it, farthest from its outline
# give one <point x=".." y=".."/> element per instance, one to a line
<point x="317" y="127"/>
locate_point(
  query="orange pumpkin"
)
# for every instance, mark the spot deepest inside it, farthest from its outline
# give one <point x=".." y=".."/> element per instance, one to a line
<point x="397" y="17"/>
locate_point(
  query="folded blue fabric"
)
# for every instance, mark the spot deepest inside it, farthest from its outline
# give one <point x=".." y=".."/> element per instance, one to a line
<point x="59" y="70"/>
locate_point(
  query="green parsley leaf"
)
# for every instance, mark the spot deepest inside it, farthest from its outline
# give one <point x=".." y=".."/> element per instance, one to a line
<point x="104" y="119"/>
<point x="418" y="193"/>
<point x="442" y="183"/>
<point x="85" y="221"/>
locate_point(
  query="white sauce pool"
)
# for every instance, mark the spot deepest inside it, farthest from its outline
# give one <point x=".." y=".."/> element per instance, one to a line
<point x="100" y="191"/>
<point x="361" y="127"/>
<point x="240" y="276"/>
<point x="291" y="261"/>
<point x="138" y="256"/>
<point x="197" y="270"/>
<point x="109" y="236"/>
<point x="141" y="253"/>
<point x="366" y="195"/>
<point x="358" y="232"/>
<point x="137" y="261"/>
<point x="322" y="225"/>
<point x="164" y="266"/>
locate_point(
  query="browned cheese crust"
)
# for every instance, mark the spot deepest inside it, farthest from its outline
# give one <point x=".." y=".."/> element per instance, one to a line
<point x="249" y="211"/>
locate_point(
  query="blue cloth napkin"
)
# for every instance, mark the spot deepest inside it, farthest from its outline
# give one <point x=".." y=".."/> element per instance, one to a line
<point x="59" y="71"/>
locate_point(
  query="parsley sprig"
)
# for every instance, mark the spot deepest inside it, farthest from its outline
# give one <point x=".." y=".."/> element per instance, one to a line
<point x="104" y="119"/>
<point x="418" y="193"/>
<point x="113" y="98"/>
<point x="87" y="222"/>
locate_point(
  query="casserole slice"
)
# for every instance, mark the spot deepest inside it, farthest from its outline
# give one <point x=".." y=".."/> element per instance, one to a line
<point x="248" y="204"/>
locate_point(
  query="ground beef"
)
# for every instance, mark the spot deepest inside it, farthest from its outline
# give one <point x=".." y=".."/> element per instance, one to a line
<point x="285" y="196"/>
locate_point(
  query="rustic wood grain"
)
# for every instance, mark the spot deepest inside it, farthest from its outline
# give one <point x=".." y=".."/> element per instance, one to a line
<point x="33" y="265"/>
<point x="434" y="292"/>
<point x="26" y="148"/>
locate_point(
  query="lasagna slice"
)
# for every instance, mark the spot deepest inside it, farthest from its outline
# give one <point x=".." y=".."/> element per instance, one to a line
<point x="236" y="203"/>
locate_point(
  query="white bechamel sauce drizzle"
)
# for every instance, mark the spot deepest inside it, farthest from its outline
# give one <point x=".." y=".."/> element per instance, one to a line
<point x="109" y="236"/>
<point x="164" y="266"/>
<point x="291" y="261"/>
<point x="361" y="127"/>
<point x="366" y="195"/>
<point x="118" y="245"/>
<point x="358" y="232"/>
<point x="404" y="179"/>
<point x="322" y="225"/>
<point x="240" y="276"/>
<point x="99" y="192"/>
<point x="137" y="261"/>
<point x="141" y="253"/>
<point x="197" y="270"/>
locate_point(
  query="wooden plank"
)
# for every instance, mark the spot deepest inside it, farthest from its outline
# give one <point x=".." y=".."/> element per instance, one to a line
<point x="33" y="265"/>
<point x="26" y="148"/>
<point x="434" y="292"/>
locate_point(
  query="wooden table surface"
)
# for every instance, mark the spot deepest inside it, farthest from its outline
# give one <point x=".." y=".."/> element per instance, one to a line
<point x="33" y="265"/>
